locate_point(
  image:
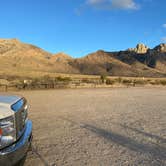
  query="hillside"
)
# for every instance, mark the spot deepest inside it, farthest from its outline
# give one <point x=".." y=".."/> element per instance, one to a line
<point x="17" y="57"/>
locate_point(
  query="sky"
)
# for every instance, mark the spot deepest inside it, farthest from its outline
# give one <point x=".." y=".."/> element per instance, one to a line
<point x="79" y="27"/>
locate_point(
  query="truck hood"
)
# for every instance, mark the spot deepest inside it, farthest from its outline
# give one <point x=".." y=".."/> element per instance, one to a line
<point x="8" y="99"/>
<point x="5" y="105"/>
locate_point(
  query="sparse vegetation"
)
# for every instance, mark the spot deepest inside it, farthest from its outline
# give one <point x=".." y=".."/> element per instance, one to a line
<point x="63" y="81"/>
<point x="103" y="78"/>
<point x="127" y="81"/>
<point x="163" y="82"/>
<point x="139" y="82"/>
<point x="110" y="81"/>
<point x="119" y="79"/>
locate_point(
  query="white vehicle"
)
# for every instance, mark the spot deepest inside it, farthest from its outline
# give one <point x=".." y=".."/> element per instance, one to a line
<point x="15" y="129"/>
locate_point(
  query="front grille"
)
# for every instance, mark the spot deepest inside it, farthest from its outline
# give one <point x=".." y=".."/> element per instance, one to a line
<point x="20" y="118"/>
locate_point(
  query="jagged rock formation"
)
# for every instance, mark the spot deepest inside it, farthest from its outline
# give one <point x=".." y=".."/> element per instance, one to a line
<point x="140" y="49"/>
<point x="160" y="48"/>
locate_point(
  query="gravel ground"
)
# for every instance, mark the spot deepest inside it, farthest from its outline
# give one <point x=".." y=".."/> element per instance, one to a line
<point x="98" y="127"/>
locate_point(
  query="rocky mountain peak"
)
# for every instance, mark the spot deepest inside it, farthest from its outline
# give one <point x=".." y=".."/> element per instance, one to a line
<point x="161" y="48"/>
<point x="140" y="49"/>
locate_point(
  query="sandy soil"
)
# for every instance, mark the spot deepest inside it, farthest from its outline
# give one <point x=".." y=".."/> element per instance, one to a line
<point x="98" y="127"/>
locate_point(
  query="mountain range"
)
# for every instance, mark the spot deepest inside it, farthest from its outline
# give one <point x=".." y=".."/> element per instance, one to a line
<point x="139" y="61"/>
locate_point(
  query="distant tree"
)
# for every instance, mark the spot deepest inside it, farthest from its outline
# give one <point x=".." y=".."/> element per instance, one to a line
<point x="103" y="78"/>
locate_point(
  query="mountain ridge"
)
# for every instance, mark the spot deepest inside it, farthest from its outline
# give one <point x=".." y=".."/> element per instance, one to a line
<point x="138" y="61"/>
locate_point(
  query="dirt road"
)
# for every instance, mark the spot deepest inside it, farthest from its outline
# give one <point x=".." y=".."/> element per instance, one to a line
<point x="98" y="127"/>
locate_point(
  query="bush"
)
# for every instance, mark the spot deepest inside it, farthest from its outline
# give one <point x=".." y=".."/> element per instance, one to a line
<point x="163" y="82"/>
<point x="127" y="81"/>
<point x="119" y="79"/>
<point x="139" y="81"/>
<point x="110" y="82"/>
<point x="86" y="80"/>
<point x="62" y="79"/>
<point x="153" y="82"/>
<point x="103" y="78"/>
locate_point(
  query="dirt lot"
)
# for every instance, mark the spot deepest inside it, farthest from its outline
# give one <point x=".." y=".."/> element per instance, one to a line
<point x="98" y="127"/>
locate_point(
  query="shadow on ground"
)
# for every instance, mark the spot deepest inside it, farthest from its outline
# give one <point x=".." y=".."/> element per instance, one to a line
<point x="155" y="150"/>
<point x="156" y="137"/>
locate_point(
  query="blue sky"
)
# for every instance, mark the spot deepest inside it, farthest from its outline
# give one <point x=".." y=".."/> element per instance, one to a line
<point x="78" y="27"/>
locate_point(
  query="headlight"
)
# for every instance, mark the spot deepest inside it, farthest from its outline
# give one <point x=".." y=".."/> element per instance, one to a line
<point x="7" y="131"/>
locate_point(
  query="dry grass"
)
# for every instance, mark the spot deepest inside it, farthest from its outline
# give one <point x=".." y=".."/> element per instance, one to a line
<point x="47" y="80"/>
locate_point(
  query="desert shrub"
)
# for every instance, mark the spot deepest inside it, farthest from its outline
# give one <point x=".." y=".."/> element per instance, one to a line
<point x="103" y="78"/>
<point x="62" y="79"/>
<point x="139" y="82"/>
<point x="158" y="82"/>
<point x="110" y="81"/>
<point x="36" y="81"/>
<point x="67" y="79"/>
<point x="59" y="78"/>
<point x="148" y="81"/>
<point x="152" y="82"/>
<point x="163" y="82"/>
<point x="86" y="80"/>
<point x="126" y="81"/>
<point x="49" y="82"/>
<point x="47" y="79"/>
<point x="119" y="79"/>
<point x="89" y="81"/>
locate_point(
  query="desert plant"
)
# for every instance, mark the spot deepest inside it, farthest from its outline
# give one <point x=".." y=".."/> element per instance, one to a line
<point x="119" y="79"/>
<point x="62" y="79"/>
<point x="86" y="80"/>
<point x="47" y="79"/>
<point x="103" y="78"/>
<point x="126" y="81"/>
<point x="139" y="82"/>
<point x="110" y="81"/>
<point x="152" y="82"/>
<point x="163" y="82"/>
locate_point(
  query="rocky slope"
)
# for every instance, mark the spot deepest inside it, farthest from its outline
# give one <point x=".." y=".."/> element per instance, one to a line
<point x="15" y="55"/>
<point x="139" y="61"/>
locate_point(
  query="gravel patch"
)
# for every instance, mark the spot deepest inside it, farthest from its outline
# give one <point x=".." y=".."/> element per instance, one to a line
<point x="98" y="127"/>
